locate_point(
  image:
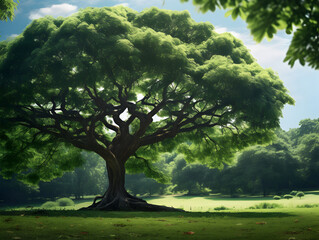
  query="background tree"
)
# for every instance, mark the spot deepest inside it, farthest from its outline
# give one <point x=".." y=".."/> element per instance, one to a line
<point x="267" y="169"/>
<point x="265" y="18"/>
<point x="128" y="86"/>
<point x="192" y="178"/>
<point x="308" y="151"/>
<point x="7" y="8"/>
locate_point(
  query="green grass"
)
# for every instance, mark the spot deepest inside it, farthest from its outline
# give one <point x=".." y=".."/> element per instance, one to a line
<point x="261" y="224"/>
<point x="204" y="204"/>
<point x="238" y="222"/>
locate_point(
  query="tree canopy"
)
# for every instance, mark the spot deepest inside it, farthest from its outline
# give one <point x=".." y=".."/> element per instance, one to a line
<point x="265" y="18"/>
<point x="128" y="86"/>
<point x="7" y="8"/>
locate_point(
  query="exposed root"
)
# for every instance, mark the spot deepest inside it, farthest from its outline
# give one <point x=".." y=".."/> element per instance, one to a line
<point x="126" y="203"/>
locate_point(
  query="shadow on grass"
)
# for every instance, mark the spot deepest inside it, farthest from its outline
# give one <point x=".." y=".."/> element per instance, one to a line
<point x="238" y="199"/>
<point x="189" y="196"/>
<point x="147" y="198"/>
<point x="126" y="214"/>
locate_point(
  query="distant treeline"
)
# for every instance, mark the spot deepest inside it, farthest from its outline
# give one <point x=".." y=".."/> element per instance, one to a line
<point x="290" y="162"/>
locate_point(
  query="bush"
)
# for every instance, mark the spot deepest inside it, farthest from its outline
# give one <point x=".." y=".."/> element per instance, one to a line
<point x="63" y="202"/>
<point x="49" y="204"/>
<point x="293" y="193"/>
<point x="221" y="208"/>
<point x="277" y="197"/>
<point x="300" y="194"/>
<point x="308" y="206"/>
<point x="288" y="196"/>
<point x="266" y="206"/>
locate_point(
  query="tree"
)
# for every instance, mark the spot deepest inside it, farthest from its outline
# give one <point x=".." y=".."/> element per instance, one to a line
<point x="192" y="178"/>
<point x="128" y="86"/>
<point x="7" y="8"/>
<point x="300" y="194"/>
<point x="271" y="168"/>
<point x="264" y="18"/>
<point x="308" y="151"/>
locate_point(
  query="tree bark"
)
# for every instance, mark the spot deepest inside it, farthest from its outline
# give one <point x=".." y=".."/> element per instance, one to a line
<point x="116" y="197"/>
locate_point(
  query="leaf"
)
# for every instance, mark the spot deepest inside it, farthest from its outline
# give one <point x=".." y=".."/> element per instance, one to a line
<point x="261" y="223"/>
<point x="84" y="233"/>
<point x="189" y="233"/>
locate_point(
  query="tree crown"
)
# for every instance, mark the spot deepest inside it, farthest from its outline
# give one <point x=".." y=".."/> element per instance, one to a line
<point x="116" y="81"/>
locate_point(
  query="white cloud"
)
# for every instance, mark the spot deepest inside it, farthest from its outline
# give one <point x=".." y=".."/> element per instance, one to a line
<point x="56" y="10"/>
<point x="142" y="3"/>
<point x="224" y="29"/>
<point x="122" y="4"/>
<point x="272" y="53"/>
<point x="13" y="35"/>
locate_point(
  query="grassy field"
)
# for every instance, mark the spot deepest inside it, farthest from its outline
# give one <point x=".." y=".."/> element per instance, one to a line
<point x="286" y="223"/>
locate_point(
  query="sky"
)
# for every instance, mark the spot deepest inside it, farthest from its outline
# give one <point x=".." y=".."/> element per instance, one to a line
<point x="301" y="82"/>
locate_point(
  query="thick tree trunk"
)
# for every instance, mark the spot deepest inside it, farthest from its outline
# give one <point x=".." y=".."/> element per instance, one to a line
<point x="117" y="198"/>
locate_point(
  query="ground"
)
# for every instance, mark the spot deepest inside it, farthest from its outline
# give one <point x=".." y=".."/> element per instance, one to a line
<point x="286" y="223"/>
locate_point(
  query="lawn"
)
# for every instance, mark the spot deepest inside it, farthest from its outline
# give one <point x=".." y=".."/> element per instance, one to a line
<point x="251" y="224"/>
<point x="286" y="223"/>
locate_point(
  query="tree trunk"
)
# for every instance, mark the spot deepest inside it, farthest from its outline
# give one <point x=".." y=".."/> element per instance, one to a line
<point x="117" y="198"/>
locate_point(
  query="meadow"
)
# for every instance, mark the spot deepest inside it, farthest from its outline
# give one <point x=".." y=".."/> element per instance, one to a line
<point x="294" y="219"/>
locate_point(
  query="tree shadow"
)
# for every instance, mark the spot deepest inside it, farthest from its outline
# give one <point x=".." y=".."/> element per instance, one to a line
<point x="132" y="214"/>
<point x="238" y="199"/>
<point x="147" y="198"/>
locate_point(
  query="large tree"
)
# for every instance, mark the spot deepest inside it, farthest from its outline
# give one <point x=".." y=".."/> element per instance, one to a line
<point x="128" y="86"/>
<point x="266" y="17"/>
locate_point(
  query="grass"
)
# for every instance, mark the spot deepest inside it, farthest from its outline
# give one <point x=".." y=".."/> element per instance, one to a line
<point x="261" y="224"/>
<point x="238" y="222"/>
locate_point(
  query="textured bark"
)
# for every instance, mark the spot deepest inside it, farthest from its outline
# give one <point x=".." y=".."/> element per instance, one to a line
<point x="116" y="198"/>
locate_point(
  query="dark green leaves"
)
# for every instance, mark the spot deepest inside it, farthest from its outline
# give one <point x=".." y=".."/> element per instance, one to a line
<point x="265" y="18"/>
<point x="130" y="85"/>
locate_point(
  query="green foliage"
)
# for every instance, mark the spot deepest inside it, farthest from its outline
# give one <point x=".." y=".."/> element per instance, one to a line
<point x="300" y="194"/>
<point x="221" y="208"/>
<point x="49" y="204"/>
<point x="63" y="202"/>
<point x="67" y="84"/>
<point x="308" y="206"/>
<point x="276" y="197"/>
<point x="288" y="196"/>
<point x="7" y="8"/>
<point x="266" y="205"/>
<point x="293" y="193"/>
<point x="265" y="18"/>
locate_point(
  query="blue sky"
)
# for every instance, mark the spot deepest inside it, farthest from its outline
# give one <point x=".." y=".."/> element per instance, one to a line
<point x="302" y="82"/>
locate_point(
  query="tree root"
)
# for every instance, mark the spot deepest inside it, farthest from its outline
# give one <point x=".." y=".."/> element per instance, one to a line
<point x="127" y="203"/>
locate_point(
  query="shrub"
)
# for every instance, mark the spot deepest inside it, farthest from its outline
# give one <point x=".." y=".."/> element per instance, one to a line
<point x="277" y="197"/>
<point x="49" y="204"/>
<point x="308" y="206"/>
<point x="300" y="194"/>
<point x="62" y="202"/>
<point x="293" y="193"/>
<point x="288" y="196"/>
<point x="221" y="208"/>
<point x="266" y="206"/>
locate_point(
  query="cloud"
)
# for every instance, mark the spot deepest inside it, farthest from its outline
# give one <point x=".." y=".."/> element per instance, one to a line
<point x="142" y="3"/>
<point x="56" y="10"/>
<point x="122" y="4"/>
<point x="272" y="53"/>
<point x="13" y="35"/>
<point x="224" y="29"/>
